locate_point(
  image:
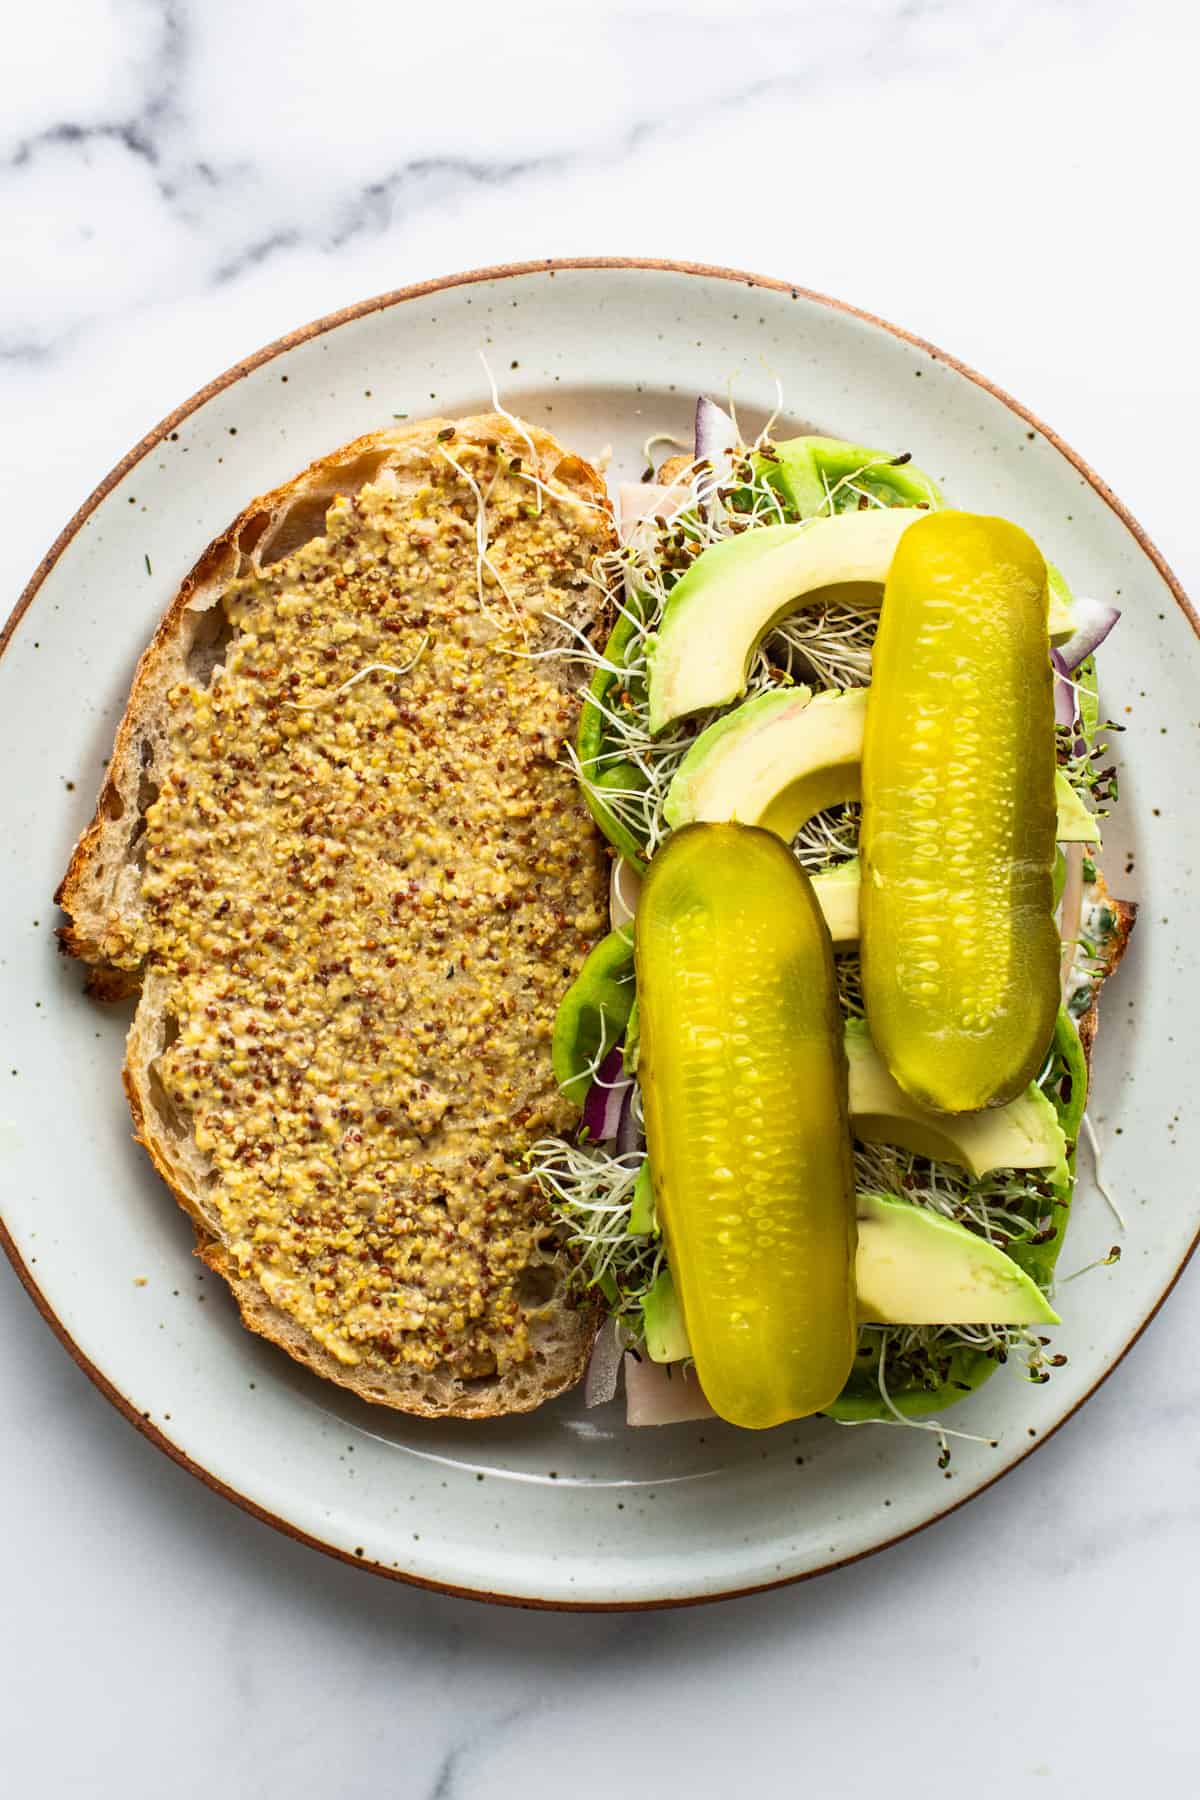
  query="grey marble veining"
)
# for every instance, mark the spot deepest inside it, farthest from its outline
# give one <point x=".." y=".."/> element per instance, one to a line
<point x="180" y="181"/>
<point x="177" y="130"/>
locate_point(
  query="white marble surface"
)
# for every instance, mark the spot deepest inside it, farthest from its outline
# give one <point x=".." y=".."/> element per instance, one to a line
<point x="181" y="181"/>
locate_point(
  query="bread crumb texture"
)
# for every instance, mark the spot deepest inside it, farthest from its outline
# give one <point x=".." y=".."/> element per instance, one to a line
<point x="366" y="901"/>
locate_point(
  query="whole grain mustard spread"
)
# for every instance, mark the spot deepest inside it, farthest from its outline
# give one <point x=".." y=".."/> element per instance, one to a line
<point x="367" y="900"/>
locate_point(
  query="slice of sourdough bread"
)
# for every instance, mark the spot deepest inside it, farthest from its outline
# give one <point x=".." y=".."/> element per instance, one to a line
<point x="340" y="858"/>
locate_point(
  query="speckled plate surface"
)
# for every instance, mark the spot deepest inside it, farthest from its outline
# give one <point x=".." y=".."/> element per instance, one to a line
<point x="565" y="1507"/>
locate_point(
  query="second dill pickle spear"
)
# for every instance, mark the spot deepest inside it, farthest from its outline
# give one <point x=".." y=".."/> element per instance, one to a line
<point x="959" y="947"/>
<point x="743" y="1075"/>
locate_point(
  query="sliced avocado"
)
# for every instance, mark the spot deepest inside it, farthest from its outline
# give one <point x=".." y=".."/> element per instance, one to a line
<point x="734" y="592"/>
<point x="912" y="1267"/>
<point x="1076" y="825"/>
<point x="838" y="888"/>
<point x="916" y="1268"/>
<point x="662" y="1319"/>
<point x="1062" y="608"/>
<point x="1060" y="875"/>
<point x="837" y="895"/>
<point x="776" y="761"/>
<point x="779" y="758"/>
<point x="643" y="1216"/>
<point x="1024" y="1134"/>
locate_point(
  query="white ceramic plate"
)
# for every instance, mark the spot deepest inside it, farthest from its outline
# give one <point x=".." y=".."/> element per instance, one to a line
<point x="564" y="1507"/>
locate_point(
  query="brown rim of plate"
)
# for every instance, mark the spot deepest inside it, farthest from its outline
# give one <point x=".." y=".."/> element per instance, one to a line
<point x="329" y="322"/>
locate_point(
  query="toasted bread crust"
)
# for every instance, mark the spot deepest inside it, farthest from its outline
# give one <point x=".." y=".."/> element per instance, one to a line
<point x="1111" y="951"/>
<point x="101" y="893"/>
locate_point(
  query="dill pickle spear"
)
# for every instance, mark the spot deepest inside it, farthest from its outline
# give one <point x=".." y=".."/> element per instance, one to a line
<point x="743" y="1075"/>
<point x="959" y="947"/>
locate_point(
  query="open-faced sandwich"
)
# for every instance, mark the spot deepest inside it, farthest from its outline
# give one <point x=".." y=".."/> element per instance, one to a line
<point x="797" y="1133"/>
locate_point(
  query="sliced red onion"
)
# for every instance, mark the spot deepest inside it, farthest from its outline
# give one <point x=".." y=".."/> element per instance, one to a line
<point x="604" y="1370"/>
<point x="716" y="439"/>
<point x="624" y="887"/>
<point x="630" y="1136"/>
<point x="605" y="1098"/>
<point x="1093" y="622"/>
<point x="716" y="434"/>
<point x="662" y="1393"/>
<point x="1065" y="708"/>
